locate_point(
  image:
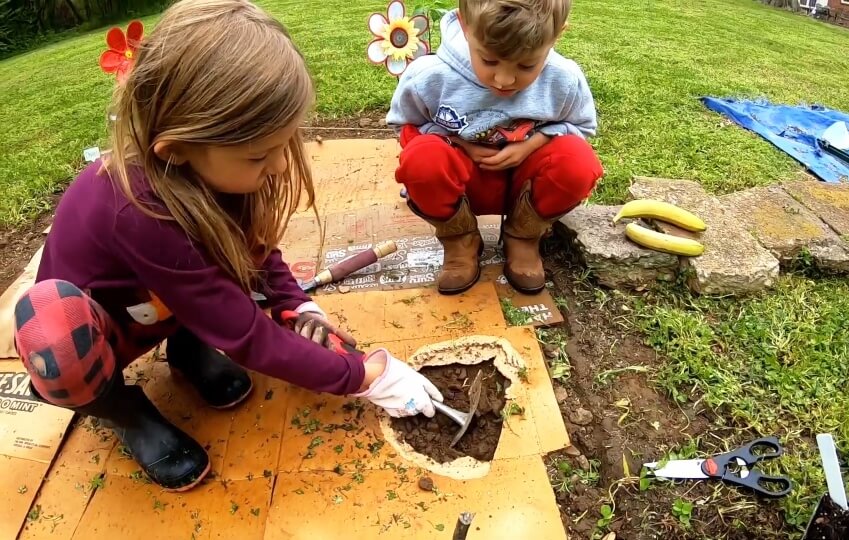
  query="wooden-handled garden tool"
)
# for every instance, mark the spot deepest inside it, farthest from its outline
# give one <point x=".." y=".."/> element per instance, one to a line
<point x="349" y="265"/>
<point x="464" y="420"/>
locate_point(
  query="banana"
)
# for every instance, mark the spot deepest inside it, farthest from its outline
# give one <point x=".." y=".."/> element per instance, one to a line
<point x="666" y="243"/>
<point x="662" y="211"/>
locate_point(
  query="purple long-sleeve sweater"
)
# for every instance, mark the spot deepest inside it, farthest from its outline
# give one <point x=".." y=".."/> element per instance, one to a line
<point x="103" y="243"/>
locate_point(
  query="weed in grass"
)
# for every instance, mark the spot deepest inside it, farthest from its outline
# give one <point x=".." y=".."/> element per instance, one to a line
<point x="567" y="474"/>
<point x="683" y="510"/>
<point x="775" y="364"/>
<point x="513" y="315"/>
<point x="559" y="368"/>
<point x="606" y="513"/>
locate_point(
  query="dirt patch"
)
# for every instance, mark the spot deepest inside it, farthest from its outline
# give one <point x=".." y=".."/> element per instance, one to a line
<point x="618" y="418"/>
<point x="18" y="244"/>
<point x="432" y="436"/>
<point x="366" y="126"/>
<point x="830" y="522"/>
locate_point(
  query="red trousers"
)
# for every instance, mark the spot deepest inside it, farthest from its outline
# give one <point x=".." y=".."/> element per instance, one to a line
<point x="436" y="174"/>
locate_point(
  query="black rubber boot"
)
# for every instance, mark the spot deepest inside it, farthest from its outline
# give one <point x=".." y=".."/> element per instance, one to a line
<point x="168" y="456"/>
<point x="221" y="382"/>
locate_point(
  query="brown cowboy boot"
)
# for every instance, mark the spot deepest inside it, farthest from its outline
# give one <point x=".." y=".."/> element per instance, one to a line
<point x="523" y="230"/>
<point x="462" y="244"/>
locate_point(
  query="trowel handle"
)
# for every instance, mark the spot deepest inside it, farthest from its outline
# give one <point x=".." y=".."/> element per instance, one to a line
<point x="351" y="264"/>
<point x="455" y="415"/>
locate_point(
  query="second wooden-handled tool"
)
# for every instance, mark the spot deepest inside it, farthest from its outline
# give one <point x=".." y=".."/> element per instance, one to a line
<point x="349" y="265"/>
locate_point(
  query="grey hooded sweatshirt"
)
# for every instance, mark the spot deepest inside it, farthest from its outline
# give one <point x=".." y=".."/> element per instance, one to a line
<point x="440" y="94"/>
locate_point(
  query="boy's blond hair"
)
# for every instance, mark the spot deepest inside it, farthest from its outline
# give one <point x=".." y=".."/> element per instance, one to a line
<point x="511" y="28"/>
<point x="215" y="72"/>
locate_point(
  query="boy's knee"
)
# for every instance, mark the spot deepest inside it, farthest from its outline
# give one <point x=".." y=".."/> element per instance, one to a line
<point x="572" y="164"/>
<point x="61" y="343"/>
<point x="429" y="159"/>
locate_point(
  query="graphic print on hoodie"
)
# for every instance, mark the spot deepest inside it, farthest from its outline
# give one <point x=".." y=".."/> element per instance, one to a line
<point x="441" y="94"/>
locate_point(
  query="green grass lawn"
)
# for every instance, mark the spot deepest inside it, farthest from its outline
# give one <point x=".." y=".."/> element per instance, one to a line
<point x="646" y="65"/>
<point x="776" y="364"/>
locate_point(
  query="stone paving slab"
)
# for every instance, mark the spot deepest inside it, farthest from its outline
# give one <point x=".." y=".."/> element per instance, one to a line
<point x="828" y="201"/>
<point x="787" y="228"/>
<point x="733" y="262"/>
<point x="605" y="250"/>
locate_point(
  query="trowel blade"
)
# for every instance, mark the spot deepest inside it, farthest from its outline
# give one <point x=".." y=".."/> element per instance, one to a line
<point x="474" y="399"/>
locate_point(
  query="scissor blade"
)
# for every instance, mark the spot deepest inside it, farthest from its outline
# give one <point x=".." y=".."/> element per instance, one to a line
<point x="678" y="468"/>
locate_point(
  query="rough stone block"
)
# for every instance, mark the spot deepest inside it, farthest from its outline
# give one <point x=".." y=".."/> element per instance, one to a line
<point x="786" y="228"/>
<point x="829" y="201"/>
<point x="733" y="261"/>
<point x="608" y="254"/>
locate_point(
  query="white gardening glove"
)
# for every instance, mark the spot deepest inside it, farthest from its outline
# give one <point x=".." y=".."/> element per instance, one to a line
<point x="400" y="390"/>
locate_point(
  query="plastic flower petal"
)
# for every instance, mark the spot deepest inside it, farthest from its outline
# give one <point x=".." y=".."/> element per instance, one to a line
<point x="376" y="22"/>
<point x="135" y="32"/>
<point x="395" y="10"/>
<point x="398" y="38"/>
<point x="375" y="52"/>
<point x="396" y="66"/>
<point x="118" y="58"/>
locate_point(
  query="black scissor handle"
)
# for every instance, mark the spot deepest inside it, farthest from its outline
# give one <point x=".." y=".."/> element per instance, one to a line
<point x="765" y="448"/>
<point x="751" y="453"/>
<point x="768" y="486"/>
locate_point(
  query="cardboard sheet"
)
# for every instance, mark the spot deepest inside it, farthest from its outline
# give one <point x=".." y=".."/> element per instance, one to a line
<point x="283" y="467"/>
<point x="30" y="434"/>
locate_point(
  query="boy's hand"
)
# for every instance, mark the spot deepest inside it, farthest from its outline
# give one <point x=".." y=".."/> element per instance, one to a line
<point x="514" y="154"/>
<point x="476" y="152"/>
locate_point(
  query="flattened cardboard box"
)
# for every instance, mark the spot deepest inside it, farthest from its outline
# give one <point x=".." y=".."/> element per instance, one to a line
<point x="30" y="435"/>
<point x="418" y="259"/>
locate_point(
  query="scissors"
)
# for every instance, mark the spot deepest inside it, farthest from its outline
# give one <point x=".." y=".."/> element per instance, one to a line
<point x="735" y="467"/>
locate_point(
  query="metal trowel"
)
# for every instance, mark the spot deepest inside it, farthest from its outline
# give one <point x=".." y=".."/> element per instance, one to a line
<point x="461" y="418"/>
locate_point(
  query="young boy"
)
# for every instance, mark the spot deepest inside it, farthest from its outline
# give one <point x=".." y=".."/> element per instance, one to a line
<point x="495" y="123"/>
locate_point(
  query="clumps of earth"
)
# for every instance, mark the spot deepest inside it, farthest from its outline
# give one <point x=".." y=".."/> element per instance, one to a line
<point x="432" y="436"/>
<point x="830" y="522"/>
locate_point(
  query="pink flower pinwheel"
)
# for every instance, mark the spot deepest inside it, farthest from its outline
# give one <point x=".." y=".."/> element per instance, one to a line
<point x="119" y="58"/>
<point x="398" y="38"/>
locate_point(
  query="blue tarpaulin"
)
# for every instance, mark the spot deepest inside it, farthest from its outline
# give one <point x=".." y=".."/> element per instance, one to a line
<point x="794" y="130"/>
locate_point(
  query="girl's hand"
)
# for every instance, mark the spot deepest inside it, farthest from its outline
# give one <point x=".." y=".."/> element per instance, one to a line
<point x="514" y="154"/>
<point x="315" y="327"/>
<point x="398" y="388"/>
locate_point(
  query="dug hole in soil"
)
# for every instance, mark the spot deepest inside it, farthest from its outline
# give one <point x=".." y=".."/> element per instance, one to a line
<point x="432" y="436"/>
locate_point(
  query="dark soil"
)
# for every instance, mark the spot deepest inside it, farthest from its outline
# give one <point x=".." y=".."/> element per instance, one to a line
<point x="830" y="522"/>
<point x="366" y="126"/>
<point x="18" y="244"/>
<point x="634" y="422"/>
<point x="432" y="436"/>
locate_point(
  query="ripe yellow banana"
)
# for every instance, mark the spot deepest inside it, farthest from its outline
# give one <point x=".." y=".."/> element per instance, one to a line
<point x="666" y="243"/>
<point x="663" y="211"/>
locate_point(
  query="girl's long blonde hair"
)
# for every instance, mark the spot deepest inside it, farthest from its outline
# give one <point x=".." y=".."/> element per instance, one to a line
<point x="215" y="72"/>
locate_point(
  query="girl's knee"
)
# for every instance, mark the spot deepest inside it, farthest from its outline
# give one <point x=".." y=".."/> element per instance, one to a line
<point x="61" y="341"/>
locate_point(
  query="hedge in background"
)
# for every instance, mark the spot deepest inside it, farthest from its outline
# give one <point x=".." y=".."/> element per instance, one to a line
<point x="26" y="23"/>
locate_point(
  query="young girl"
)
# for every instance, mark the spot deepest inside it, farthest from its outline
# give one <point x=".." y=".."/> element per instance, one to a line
<point x="170" y="235"/>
